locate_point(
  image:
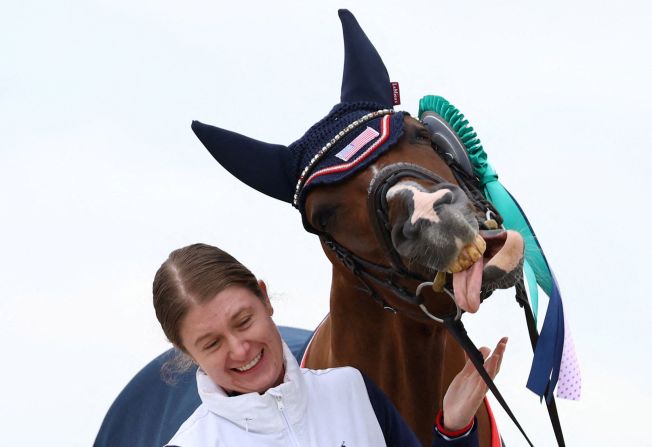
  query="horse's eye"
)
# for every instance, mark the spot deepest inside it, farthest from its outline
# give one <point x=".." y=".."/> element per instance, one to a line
<point x="323" y="217"/>
<point x="423" y="135"/>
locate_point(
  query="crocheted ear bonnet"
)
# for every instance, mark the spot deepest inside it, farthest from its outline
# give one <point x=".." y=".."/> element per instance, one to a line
<point x="357" y="130"/>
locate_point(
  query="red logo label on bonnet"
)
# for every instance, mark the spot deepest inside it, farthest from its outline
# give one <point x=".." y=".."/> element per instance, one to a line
<point x="396" y="93"/>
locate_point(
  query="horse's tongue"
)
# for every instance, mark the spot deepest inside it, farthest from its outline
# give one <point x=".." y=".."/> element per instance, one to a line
<point x="466" y="285"/>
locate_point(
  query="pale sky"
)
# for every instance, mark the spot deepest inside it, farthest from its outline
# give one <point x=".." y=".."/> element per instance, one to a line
<point x="101" y="177"/>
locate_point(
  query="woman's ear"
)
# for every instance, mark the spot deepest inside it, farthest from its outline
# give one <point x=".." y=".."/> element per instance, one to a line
<point x="266" y="301"/>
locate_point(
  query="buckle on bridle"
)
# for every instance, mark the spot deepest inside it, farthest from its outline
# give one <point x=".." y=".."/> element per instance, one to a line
<point x="422" y="306"/>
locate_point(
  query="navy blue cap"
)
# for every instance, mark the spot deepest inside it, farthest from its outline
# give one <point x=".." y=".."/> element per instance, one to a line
<point x="353" y="134"/>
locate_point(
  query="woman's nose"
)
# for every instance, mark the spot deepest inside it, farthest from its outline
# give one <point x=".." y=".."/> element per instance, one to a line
<point x="238" y="348"/>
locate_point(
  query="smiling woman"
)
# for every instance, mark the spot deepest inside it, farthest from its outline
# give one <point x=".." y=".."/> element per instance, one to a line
<point x="252" y="390"/>
<point x="212" y="308"/>
<point x="235" y="341"/>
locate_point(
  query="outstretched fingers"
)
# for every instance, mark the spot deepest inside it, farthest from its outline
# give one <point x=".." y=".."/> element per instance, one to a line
<point x="467" y="390"/>
<point x="492" y="364"/>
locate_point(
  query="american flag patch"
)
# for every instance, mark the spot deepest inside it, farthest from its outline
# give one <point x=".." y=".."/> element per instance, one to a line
<point x="358" y="143"/>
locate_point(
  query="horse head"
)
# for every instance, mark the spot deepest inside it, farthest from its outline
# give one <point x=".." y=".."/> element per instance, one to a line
<point x="407" y="211"/>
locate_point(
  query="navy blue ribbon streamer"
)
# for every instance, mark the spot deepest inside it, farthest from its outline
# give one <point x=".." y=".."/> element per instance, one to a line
<point x="544" y="373"/>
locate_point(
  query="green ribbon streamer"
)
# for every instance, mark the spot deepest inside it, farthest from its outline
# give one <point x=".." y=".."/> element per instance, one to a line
<point x="532" y="287"/>
<point x="514" y="219"/>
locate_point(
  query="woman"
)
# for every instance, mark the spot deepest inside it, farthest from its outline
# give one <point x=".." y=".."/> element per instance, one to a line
<point x="253" y="392"/>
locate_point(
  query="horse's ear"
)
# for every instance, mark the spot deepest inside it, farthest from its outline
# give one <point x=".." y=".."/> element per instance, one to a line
<point x="365" y="77"/>
<point x="263" y="166"/>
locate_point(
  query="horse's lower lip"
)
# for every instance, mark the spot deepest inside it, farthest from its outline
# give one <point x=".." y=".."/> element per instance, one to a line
<point x="503" y="258"/>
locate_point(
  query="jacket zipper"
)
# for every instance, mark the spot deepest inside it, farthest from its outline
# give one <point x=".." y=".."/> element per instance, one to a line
<point x="281" y="408"/>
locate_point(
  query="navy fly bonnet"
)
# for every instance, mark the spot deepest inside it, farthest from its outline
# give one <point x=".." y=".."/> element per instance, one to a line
<point x="353" y="134"/>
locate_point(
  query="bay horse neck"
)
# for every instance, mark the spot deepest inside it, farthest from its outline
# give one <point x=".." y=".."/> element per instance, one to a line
<point x="412" y="361"/>
<point x="391" y="334"/>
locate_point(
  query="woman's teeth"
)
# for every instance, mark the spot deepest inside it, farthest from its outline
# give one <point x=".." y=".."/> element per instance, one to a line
<point x="251" y="364"/>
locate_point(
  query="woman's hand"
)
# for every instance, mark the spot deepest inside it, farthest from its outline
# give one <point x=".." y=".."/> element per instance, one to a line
<point x="467" y="390"/>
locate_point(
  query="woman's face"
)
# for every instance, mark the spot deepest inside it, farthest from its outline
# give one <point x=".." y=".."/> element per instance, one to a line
<point x="234" y="340"/>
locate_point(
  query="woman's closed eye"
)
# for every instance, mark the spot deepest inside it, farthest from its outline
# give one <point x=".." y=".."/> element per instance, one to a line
<point x="211" y="345"/>
<point x="244" y="323"/>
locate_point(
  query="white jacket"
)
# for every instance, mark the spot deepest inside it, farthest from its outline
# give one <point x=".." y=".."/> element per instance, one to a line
<point x="329" y="408"/>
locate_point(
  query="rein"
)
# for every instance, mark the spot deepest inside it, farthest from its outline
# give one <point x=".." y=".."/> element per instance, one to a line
<point x="368" y="272"/>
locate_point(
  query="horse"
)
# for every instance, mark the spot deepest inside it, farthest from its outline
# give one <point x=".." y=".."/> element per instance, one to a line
<point x="431" y="224"/>
<point x="402" y="225"/>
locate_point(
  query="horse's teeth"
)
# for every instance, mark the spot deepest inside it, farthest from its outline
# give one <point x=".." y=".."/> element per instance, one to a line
<point x="463" y="258"/>
<point x="474" y="254"/>
<point x="455" y="267"/>
<point x="474" y="251"/>
<point x="468" y="255"/>
<point x="480" y="244"/>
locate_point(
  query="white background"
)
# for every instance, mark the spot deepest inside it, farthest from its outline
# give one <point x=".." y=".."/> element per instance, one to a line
<point x="101" y="177"/>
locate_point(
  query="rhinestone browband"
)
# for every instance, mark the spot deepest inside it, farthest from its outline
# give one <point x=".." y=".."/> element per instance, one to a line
<point x="318" y="156"/>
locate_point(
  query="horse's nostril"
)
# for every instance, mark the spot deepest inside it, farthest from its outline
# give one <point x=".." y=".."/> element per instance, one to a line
<point x="410" y="230"/>
<point x="447" y="199"/>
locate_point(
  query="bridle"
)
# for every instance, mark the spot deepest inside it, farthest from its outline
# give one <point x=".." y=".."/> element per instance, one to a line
<point x="386" y="277"/>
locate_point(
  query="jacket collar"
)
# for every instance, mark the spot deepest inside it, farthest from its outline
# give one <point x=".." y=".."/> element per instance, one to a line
<point x="259" y="412"/>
